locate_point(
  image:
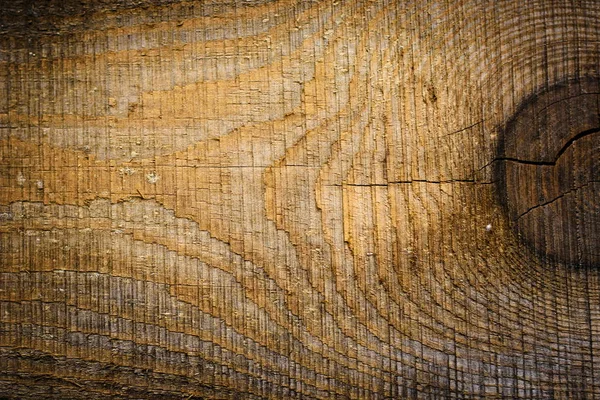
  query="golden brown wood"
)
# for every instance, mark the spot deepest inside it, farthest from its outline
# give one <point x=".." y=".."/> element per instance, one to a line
<point x="298" y="199"/>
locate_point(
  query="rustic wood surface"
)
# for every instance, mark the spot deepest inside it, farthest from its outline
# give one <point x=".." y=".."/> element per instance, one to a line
<point x="343" y="199"/>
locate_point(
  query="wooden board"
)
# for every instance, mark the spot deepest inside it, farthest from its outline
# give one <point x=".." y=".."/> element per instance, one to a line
<point x="299" y="199"/>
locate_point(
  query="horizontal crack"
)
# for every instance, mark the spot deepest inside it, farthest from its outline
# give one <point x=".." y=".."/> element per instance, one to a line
<point x="552" y="163"/>
<point x="412" y="181"/>
<point x="438" y="182"/>
<point x="556" y="198"/>
<point x="526" y="162"/>
<point x="573" y="140"/>
<point x="464" y="129"/>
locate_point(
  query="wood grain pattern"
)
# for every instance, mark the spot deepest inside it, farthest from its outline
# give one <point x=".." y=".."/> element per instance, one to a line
<point x="288" y="199"/>
<point x="549" y="173"/>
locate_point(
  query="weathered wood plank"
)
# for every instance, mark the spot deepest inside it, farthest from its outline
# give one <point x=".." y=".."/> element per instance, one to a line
<point x="299" y="199"/>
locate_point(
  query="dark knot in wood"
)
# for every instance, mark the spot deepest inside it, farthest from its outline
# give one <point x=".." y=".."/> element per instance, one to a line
<point x="548" y="172"/>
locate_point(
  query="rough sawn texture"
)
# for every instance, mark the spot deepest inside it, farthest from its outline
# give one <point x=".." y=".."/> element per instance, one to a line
<point x="296" y="199"/>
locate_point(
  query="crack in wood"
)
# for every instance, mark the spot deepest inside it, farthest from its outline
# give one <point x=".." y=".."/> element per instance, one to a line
<point x="570" y="191"/>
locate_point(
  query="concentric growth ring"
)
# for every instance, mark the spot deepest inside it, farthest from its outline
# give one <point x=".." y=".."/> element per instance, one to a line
<point x="549" y="172"/>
